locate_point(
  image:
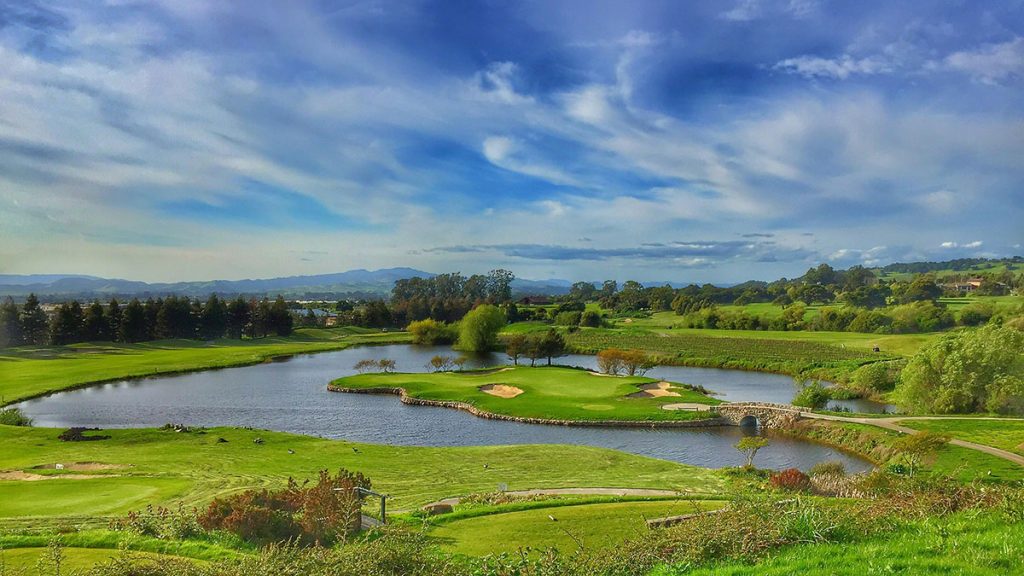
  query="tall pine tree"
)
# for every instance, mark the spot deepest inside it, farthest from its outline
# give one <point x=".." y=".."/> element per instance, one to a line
<point x="34" y="329"/>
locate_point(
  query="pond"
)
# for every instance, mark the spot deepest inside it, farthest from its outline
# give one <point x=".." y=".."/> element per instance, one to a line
<point x="290" y="395"/>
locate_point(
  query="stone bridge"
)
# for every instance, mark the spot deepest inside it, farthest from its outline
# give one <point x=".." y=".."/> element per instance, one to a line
<point x="764" y="414"/>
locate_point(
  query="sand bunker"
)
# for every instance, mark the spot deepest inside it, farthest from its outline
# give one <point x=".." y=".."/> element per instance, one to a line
<point x="80" y="466"/>
<point x="655" y="390"/>
<point x="690" y="406"/>
<point x="501" y="390"/>
<point x="30" y="477"/>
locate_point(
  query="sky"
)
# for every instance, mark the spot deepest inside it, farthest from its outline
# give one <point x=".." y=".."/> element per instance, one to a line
<point x="680" y="141"/>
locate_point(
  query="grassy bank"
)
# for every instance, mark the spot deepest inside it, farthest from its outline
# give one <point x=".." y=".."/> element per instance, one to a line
<point x="148" y="466"/>
<point x="545" y="392"/>
<point x="877" y="445"/>
<point x="982" y="544"/>
<point x="1005" y="434"/>
<point x="35" y="371"/>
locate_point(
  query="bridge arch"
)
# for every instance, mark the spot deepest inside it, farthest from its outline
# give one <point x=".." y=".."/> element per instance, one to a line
<point x="760" y="414"/>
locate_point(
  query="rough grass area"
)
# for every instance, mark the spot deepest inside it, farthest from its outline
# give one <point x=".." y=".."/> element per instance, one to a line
<point x="35" y="371"/>
<point x="73" y="560"/>
<point x="548" y="392"/>
<point x="591" y="525"/>
<point x="166" y="467"/>
<point x="968" y="543"/>
<point x="1005" y="434"/>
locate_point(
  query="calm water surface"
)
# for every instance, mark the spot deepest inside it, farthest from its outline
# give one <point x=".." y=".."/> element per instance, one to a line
<point x="291" y="396"/>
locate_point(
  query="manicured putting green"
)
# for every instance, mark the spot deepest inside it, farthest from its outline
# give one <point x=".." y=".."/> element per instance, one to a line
<point x="547" y="392"/>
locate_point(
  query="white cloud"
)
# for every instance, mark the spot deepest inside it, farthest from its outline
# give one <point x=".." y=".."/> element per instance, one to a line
<point x="510" y="154"/>
<point x="990" y="64"/>
<point x="969" y="245"/>
<point x="839" y="68"/>
<point x="743" y="11"/>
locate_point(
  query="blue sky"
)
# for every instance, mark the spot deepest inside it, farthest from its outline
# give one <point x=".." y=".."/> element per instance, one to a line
<point x="683" y="141"/>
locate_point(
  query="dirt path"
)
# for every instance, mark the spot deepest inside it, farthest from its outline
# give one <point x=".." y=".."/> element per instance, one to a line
<point x="576" y="492"/>
<point x="893" y="424"/>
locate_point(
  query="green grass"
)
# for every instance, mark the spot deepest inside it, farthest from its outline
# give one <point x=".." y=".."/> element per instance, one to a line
<point x="26" y="560"/>
<point x="29" y="372"/>
<point x="548" y="392"/>
<point x="982" y="544"/>
<point x="1008" y="434"/>
<point x="166" y="467"/>
<point x="594" y="525"/>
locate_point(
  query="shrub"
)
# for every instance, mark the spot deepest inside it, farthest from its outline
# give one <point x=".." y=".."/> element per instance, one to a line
<point x="829" y="468"/>
<point x="590" y="319"/>
<point x="631" y="362"/>
<point x="876" y="377"/>
<point x="321" y="514"/>
<point x="160" y="522"/>
<point x="430" y="332"/>
<point x="14" y="417"/>
<point x="814" y="395"/>
<point x="77" y="434"/>
<point x="791" y="480"/>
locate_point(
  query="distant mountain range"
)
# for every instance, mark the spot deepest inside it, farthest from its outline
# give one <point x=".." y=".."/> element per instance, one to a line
<point x="352" y="284"/>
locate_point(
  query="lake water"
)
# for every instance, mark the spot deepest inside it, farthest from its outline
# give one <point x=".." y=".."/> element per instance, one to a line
<point x="291" y="396"/>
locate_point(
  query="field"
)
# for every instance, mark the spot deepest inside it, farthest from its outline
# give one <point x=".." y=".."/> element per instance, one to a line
<point x="149" y="466"/>
<point x="742" y="351"/>
<point x="1008" y="435"/>
<point x="592" y="525"/>
<point x="547" y="392"/>
<point x="29" y="372"/>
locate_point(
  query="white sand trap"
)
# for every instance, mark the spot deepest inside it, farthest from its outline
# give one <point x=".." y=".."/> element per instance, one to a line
<point x="601" y="374"/>
<point x="80" y="466"/>
<point x="655" y="390"/>
<point x="501" y="390"/>
<point x="30" y="477"/>
<point x="691" y="406"/>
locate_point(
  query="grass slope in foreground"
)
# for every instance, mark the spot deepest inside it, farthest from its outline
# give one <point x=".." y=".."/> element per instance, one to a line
<point x="28" y="372"/>
<point x="163" y="467"/>
<point x="546" y="392"/>
<point x="593" y="525"/>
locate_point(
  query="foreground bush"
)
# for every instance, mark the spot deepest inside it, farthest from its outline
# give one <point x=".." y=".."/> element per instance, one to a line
<point x="324" y="513"/>
<point x="14" y="417"/>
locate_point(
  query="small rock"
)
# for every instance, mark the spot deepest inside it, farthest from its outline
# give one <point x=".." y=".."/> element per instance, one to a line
<point x="222" y="440"/>
<point x="257" y="441"/>
<point x="290" y="451"/>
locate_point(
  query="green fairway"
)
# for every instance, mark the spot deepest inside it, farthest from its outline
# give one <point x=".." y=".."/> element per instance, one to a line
<point x="163" y="467"/>
<point x="73" y="560"/>
<point x="593" y="525"/>
<point x="546" y="392"/>
<point x="1005" y="434"/>
<point x="984" y="544"/>
<point x="28" y="372"/>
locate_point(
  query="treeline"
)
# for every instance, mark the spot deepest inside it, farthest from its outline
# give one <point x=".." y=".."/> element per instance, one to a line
<point x="171" y="317"/>
<point x="959" y="265"/>
<point x="447" y="297"/>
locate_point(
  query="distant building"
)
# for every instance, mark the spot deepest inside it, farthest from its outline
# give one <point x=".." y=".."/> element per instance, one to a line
<point x="534" y="301"/>
<point x="966" y="286"/>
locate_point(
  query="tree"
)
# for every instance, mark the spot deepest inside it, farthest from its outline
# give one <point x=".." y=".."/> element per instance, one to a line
<point x="515" y="347"/>
<point x="921" y="289"/>
<point x="280" y="319"/>
<point x="66" y="327"/>
<point x="33" y="322"/>
<point x="113" y="317"/>
<point x="973" y="370"/>
<point x="478" y="331"/>
<point x="552" y="345"/>
<point x="609" y="361"/>
<point x="582" y="291"/>
<point x="94" y="325"/>
<point x="499" y="285"/>
<point x="133" y="323"/>
<point x="238" y="317"/>
<point x="441" y="363"/>
<point x="915" y="448"/>
<point x="10" y="324"/>
<point x="811" y="395"/>
<point x="213" y="319"/>
<point x="749" y="446"/>
<point x="590" y="319"/>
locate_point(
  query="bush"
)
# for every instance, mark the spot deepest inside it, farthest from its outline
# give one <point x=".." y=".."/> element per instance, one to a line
<point x="876" y="377"/>
<point x="430" y="332"/>
<point x="791" y="480"/>
<point x="814" y="396"/>
<point x="326" y="512"/>
<point x="829" y="468"/>
<point x="590" y="319"/>
<point x="14" y="417"/>
<point x="630" y="362"/>
<point x="77" y="434"/>
<point x="568" y="318"/>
